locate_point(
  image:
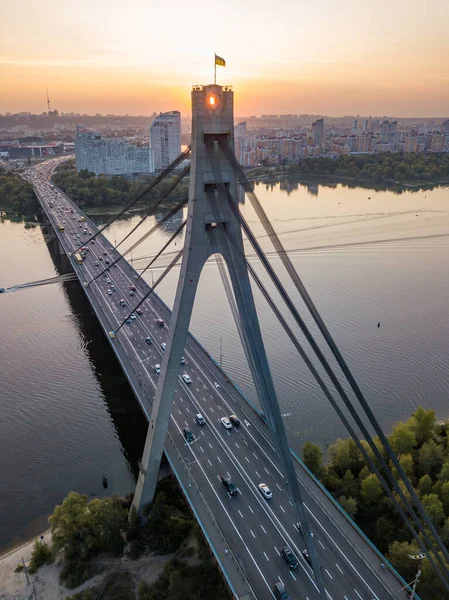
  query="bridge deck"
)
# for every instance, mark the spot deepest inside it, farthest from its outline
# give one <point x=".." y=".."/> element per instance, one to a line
<point x="245" y="533"/>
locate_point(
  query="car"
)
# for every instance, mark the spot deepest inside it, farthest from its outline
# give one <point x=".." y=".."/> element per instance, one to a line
<point x="148" y="340"/>
<point x="128" y="321"/>
<point x="229" y="485"/>
<point x="97" y="264"/>
<point x="299" y="528"/>
<point x="280" y="593"/>
<point x="234" y="420"/>
<point x="107" y="279"/>
<point x="163" y="346"/>
<point x="226" y="423"/>
<point x="188" y="435"/>
<point x="157" y="369"/>
<point x="133" y="288"/>
<point x="92" y="241"/>
<point x="109" y="292"/>
<point x="131" y="293"/>
<point x="105" y="253"/>
<point x="289" y="557"/>
<point x="306" y="556"/>
<point x="100" y="258"/>
<point x="265" y="491"/>
<point x="183" y="360"/>
<point x="107" y="261"/>
<point x="133" y="317"/>
<point x="200" y="419"/>
<point x="186" y="378"/>
<point x="139" y="311"/>
<point x="122" y="303"/>
<point x="159" y="322"/>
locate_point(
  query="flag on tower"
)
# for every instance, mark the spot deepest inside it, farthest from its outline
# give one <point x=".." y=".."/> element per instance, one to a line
<point x="220" y="61"/>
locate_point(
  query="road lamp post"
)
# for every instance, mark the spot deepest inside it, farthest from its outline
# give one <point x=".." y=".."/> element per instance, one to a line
<point x="419" y="558"/>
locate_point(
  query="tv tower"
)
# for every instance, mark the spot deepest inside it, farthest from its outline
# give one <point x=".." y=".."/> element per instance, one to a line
<point x="48" y="102"/>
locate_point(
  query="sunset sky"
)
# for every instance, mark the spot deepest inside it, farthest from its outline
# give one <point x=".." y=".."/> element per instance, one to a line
<point x="389" y="57"/>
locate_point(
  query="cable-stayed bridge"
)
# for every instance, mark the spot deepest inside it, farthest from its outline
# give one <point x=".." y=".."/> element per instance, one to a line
<point x="175" y="382"/>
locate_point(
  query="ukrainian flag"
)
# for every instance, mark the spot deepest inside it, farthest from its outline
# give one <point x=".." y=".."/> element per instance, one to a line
<point x="220" y="61"/>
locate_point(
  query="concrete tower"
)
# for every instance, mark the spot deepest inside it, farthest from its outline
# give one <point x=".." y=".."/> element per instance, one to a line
<point x="213" y="227"/>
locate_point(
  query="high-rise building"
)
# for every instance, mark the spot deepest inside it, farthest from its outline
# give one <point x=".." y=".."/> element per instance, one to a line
<point x="240" y="130"/>
<point x="385" y="132"/>
<point x="165" y="139"/>
<point x="109" y="156"/>
<point x="318" y="132"/>
<point x="392" y="129"/>
<point x="445" y="127"/>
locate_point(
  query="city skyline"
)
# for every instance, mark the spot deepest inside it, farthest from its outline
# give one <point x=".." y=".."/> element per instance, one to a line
<point x="320" y="59"/>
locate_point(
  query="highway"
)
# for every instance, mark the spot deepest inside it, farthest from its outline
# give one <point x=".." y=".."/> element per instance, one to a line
<point x="256" y="529"/>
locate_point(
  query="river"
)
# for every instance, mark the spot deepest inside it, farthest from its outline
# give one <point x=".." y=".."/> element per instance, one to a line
<point x="68" y="417"/>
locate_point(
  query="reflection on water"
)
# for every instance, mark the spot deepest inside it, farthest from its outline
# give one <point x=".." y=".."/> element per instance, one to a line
<point x="68" y="416"/>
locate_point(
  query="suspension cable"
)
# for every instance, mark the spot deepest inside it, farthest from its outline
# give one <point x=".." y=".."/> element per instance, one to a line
<point x="158" y="203"/>
<point x="172" y="212"/>
<point x="139" y="196"/>
<point x="336" y="407"/>
<point x="175" y="234"/>
<point x="150" y="291"/>
<point x="341" y="361"/>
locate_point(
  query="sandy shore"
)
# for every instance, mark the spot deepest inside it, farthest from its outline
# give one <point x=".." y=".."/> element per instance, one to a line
<point x="14" y="586"/>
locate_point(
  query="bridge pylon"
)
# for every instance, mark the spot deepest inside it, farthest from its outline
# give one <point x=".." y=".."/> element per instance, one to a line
<point x="213" y="228"/>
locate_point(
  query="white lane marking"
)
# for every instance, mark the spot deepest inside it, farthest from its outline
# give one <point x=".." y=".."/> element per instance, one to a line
<point x="201" y="448"/>
<point x="252" y="533"/>
<point x="279" y="555"/>
<point x="210" y="444"/>
<point x="359" y="594"/>
<point x="328" y="573"/>
<point x="321" y="544"/>
<point x="237" y="445"/>
<point x="179" y="411"/>
<point x="245" y="442"/>
<point x="266" y="557"/>
<point x="292" y="575"/>
<point x="279" y="487"/>
<point x="339" y="568"/>
<point x="250" y="509"/>
<point x="267" y="472"/>
<point x="255" y="455"/>
<point x="187" y="409"/>
<point x="281" y="507"/>
<point x="263" y="529"/>
<point x="258" y="476"/>
<point x="209" y="462"/>
<point x="240" y="513"/>
<point x="227" y="514"/>
<point x="246" y="458"/>
<point x="219" y="459"/>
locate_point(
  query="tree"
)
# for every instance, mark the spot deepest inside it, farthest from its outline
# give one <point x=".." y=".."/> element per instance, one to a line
<point x="433" y="507"/>
<point x="445" y="496"/>
<point x="344" y="455"/>
<point x="402" y="439"/>
<point x="349" y="505"/>
<point x="313" y="457"/>
<point x="399" y="557"/>
<point x="422" y="423"/>
<point x="425" y="485"/>
<point x="406" y="462"/>
<point x="83" y="529"/>
<point x="444" y="473"/>
<point x="430" y="458"/>
<point x="371" y="490"/>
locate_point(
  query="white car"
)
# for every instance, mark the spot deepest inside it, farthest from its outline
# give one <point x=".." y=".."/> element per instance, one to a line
<point x="163" y="346"/>
<point x="226" y="423"/>
<point x="183" y="360"/>
<point x="157" y="369"/>
<point x="186" y="378"/>
<point x="265" y="491"/>
<point x="109" y="292"/>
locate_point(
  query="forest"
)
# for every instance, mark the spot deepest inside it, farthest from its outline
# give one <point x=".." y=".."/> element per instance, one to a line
<point x="16" y="195"/>
<point x="421" y="445"/>
<point x="386" y="167"/>
<point x="89" y="190"/>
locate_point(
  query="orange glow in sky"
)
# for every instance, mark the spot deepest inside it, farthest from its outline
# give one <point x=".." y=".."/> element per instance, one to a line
<point x="352" y="57"/>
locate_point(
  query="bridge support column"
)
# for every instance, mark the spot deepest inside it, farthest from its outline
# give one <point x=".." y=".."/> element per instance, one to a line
<point x="213" y="227"/>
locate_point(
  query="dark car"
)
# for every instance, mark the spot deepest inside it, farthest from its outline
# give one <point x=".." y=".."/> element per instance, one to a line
<point x="148" y="340"/>
<point x="229" y="485"/>
<point x="280" y="592"/>
<point x="160" y="322"/>
<point x="188" y="435"/>
<point x="306" y="556"/>
<point x="234" y="420"/>
<point x="289" y="557"/>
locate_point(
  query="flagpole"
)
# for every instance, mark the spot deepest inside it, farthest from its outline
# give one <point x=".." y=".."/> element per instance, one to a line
<point x="215" y="69"/>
